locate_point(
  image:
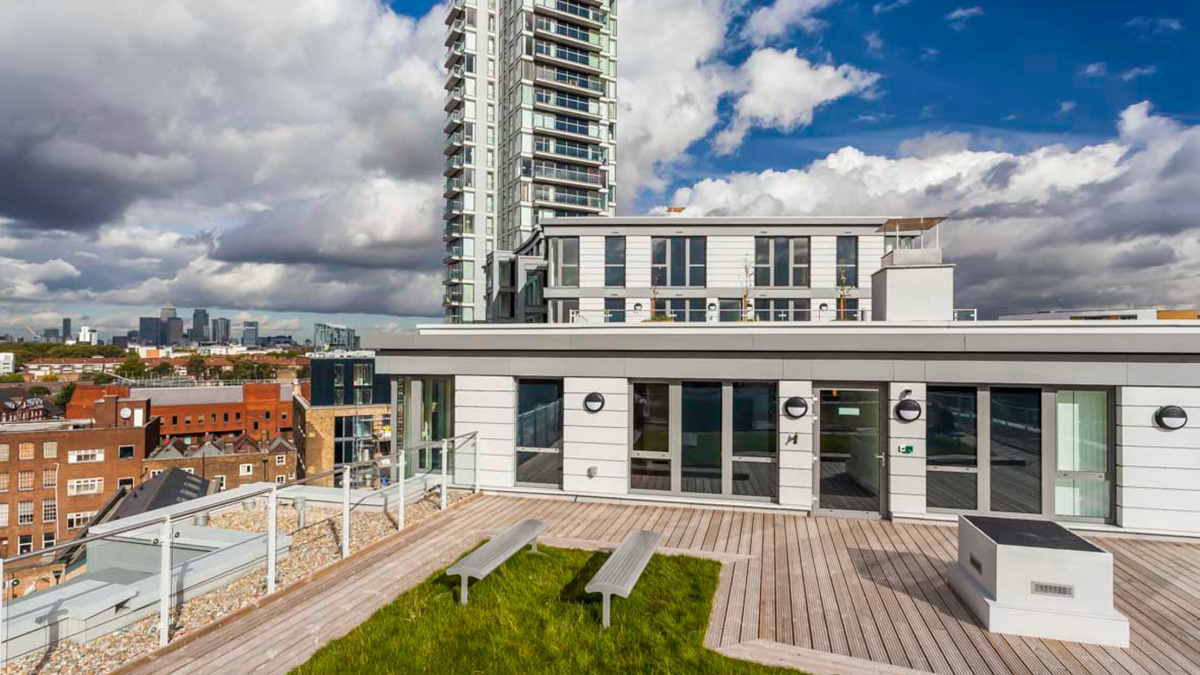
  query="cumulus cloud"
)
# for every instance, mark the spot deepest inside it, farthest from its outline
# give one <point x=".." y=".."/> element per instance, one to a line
<point x="1104" y="224"/>
<point x="1097" y="69"/>
<point x="1144" y="26"/>
<point x="1135" y="73"/>
<point x="776" y="19"/>
<point x="874" y="44"/>
<point x="958" y="18"/>
<point x="884" y="8"/>
<point x="208" y="144"/>
<point x="781" y="90"/>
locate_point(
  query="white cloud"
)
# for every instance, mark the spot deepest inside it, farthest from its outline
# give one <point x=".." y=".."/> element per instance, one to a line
<point x="929" y="53"/>
<point x="874" y="44"/>
<point x="780" y="91"/>
<point x="1065" y="108"/>
<point x="22" y="280"/>
<point x="1134" y="73"/>
<point x="1028" y="229"/>
<point x="1098" y="69"/>
<point x="884" y="8"/>
<point x="959" y="17"/>
<point x="775" y="20"/>
<point x="1146" y="26"/>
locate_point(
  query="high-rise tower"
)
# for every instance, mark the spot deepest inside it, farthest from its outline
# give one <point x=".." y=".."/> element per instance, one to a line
<point x="531" y="128"/>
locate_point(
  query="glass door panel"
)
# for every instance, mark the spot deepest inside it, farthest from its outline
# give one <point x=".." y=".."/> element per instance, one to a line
<point x="1082" y="485"/>
<point x="952" y="447"/>
<point x="539" y="432"/>
<point x="1016" y="453"/>
<point x="700" y="430"/>
<point x="849" y="450"/>
<point x="650" y="463"/>
<point x="755" y="439"/>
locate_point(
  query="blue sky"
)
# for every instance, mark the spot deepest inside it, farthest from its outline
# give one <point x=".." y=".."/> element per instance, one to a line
<point x="288" y="185"/>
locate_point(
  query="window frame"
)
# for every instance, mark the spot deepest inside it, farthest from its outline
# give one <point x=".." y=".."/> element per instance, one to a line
<point x="614" y="269"/>
<point x="841" y="266"/>
<point x="666" y="268"/>
<point x="766" y="274"/>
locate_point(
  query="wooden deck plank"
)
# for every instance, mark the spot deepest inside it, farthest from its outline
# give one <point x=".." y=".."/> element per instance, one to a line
<point x="782" y="582"/>
<point x="754" y="575"/>
<point x="801" y="636"/>
<point x="838" y="642"/>
<point x="870" y="621"/>
<point x="851" y="625"/>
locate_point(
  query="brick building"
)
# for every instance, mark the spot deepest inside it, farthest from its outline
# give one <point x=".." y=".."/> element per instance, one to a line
<point x="54" y="475"/>
<point x="228" y="463"/>
<point x="342" y="415"/>
<point x="261" y="410"/>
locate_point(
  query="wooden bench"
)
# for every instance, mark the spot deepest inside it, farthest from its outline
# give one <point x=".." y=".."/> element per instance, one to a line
<point x="483" y="560"/>
<point x="624" y="567"/>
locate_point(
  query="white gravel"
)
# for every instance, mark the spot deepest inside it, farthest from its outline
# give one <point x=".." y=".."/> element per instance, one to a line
<point x="313" y="548"/>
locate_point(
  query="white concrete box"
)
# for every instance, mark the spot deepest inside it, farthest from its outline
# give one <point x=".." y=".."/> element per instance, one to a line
<point x="1038" y="579"/>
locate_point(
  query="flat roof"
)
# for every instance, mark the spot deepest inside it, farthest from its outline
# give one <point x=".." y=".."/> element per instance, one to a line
<point x="883" y="223"/>
<point x="1173" y="338"/>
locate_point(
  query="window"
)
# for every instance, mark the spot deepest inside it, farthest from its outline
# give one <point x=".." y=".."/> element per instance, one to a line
<point x="189" y="470"/>
<point x="237" y="417"/>
<point x="79" y="519"/>
<point x="86" y="486"/>
<point x="85" y="456"/>
<point x="3" y="452"/>
<point x="125" y="483"/>
<point x="219" y="479"/>
<point x="847" y="309"/>
<point x="175" y="420"/>
<point x="782" y="309"/>
<point x="280" y="460"/>
<point x="225" y="417"/>
<point x="155" y="472"/>
<point x="755" y="439"/>
<point x="678" y="261"/>
<point x="539" y="431"/>
<point x="3" y="515"/>
<point x="564" y="261"/>
<point x="49" y="450"/>
<point x="363" y="396"/>
<point x="952" y="446"/>
<point x="3" y="482"/>
<point x="125" y="452"/>
<point x="847" y="262"/>
<point x="25" y="513"/>
<point x="25" y="543"/>
<point x="1016" y="450"/>
<point x="1082" y="485"/>
<point x="267" y="414"/>
<point x="363" y="374"/>
<point x="25" y="450"/>
<point x="47" y="540"/>
<point x="781" y="261"/>
<point x="246" y="470"/>
<point x="49" y="478"/>
<point x="614" y="310"/>
<point x="24" y="480"/>
<point x="701" y="426"/>
<point x="690" y="310"/>
<point x="614" y="261"/>
<point x="280" y="479"/>
<point x="339" y="375"/>
<point x="49" y="511"/>
<point x="650" y="464"/>
<point x="730" y="309"/>
<point x="187" y="419"/>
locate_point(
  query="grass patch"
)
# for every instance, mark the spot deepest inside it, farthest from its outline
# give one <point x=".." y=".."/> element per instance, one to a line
<point x="532" y="616"/>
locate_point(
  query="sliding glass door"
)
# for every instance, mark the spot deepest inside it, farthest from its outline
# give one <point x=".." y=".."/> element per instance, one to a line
<point x="850" y="457"/>
<point x="1081" y="484"/>
<point x="711" y="439"/>
<point x="539" y="432"/>
<point x="1016" y="452"/>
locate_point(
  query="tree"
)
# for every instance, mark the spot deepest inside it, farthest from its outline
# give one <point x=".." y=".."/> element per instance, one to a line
<point x="11" y="378"/>
<point x="64" y="395"/>
<point x="132" y="367"/>
<point x="39" y="390"/>
<point x="195" y="365"/>
<point x="163" y="368"/>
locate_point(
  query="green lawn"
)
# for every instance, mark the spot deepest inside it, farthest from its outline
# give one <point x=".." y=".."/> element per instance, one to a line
<point x="532" y="616"/>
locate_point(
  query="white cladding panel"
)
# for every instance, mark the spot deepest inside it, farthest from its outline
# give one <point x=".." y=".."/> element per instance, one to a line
<point x="906" y="488"/>
<point x="728" y="258"/>
<point x="870" y="255"/>
<point x="795" y="447"/>
<point x="487" y="405"/>
<point x="822" y="262"/>
<point x="637" y="262"/>
<point x="596" y="441"/>
<point x="591" y="262"/>
<point x="1158" y="471"/>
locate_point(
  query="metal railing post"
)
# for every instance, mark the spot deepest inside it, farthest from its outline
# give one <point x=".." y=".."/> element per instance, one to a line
<point x="445" y="461"/>
<point x="402" y="457"/>
<point x="3" y="619"/>
<point x="272" y="503"/>
<point x="475" y="460"/>
<point x="164" y="585"/>
<point x="346" y="512"/>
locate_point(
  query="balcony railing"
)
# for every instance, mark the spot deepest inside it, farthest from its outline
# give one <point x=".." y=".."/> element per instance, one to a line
<point x="453" y="97"/>
<point x="587" y="59"/>
<point x="453" y="163"/>
<point x="453" y="119"/>
<point x="138" y="575"/>
<point x="590" y="153"/>
<point x="587" y="201"/>
<point x="574" y="9"/>
<point x="559" y="173"/>
<point x="568" y="31"/>
<point x="552" y="74"/>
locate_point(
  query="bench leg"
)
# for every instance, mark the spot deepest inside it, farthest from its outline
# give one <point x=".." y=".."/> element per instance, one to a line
<point x="462" y="595"/>
<point x="533" y="545"/>
<point x="607" y="601"/>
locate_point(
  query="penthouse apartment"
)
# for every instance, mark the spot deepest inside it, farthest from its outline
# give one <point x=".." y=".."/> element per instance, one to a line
<point x="697" y="270"/>
<point x="342" y="415"/>
<point x="834" y="380"/>
<point x="55" y="475"/>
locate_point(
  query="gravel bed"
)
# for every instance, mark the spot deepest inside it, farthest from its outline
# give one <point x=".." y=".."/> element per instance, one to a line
<point x="312" y="548"/>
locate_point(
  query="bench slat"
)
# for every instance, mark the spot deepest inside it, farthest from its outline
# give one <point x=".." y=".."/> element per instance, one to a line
<point x="483" y="560"/>
<point x="621" y="571"/>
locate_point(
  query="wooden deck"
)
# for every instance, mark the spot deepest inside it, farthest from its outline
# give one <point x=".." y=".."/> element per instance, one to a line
<point x="823" y="595"/>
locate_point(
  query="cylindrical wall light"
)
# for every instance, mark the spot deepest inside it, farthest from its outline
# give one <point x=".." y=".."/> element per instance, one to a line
<point x="908" y="410"/>
<point x="795" y="407"/>
<point x="1171" y="417"/>
<point x="594" y="402"/>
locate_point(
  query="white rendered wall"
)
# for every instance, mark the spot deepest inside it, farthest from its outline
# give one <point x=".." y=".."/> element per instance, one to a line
<point x="823" y="262"/>
<point x="796" y="448"/>
<point x="487" y="405"/>
<point x="1158" y="471"/>
<point x="599" y="441"/>
<point x="591" y="262"/>
<point x="870" y="257"/>
<point x="906" y="472"/>
<point x="914" y="294"/>
<point x="637" y="262"/>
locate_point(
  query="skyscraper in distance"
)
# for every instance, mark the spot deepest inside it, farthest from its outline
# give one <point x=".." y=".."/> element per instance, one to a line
<point x="531" y="113"/>
<point x="200" y="325"/>
<point x="66" y="327"/>
<point x="249" y="333"/>
<point x="220" y="331"/>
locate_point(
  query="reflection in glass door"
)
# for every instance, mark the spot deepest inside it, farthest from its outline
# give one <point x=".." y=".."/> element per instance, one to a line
<point x="849" y="451"/>
<point x="700" y="427"/>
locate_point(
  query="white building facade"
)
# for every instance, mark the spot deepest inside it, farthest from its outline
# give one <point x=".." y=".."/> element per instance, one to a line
<point x="530" y="126"/>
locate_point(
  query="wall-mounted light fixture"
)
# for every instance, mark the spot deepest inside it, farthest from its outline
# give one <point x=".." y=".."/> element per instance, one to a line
<point x="824" y="306"/>
<point x="908" y="410"/>
<point x="712" y="306"/>
<point x="1171" y="417"/>
<point x="594" y="402"/>
<point x="795" y="407"/>
<point x="637" y="306"/>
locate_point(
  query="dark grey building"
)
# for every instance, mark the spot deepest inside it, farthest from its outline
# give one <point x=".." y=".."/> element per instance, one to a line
<point x="172" y="331"/>
<point x="66" y="327"/>
<point x="220" y="331"/>
<point x="249" y="333"/>
<point x="347" y="381"/>
<point x="200" y="325"/>
<point x="150" y="330"/>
